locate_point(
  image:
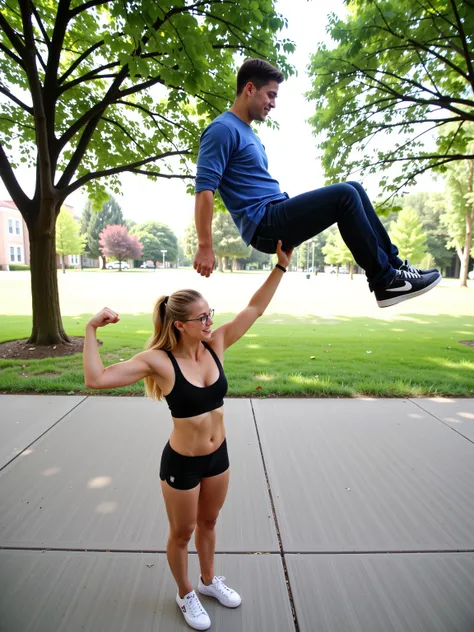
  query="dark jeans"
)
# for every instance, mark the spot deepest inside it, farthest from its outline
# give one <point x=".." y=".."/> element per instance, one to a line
<point x="297" y="219"/>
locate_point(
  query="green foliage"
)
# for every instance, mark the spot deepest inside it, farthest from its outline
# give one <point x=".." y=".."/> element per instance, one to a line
<point x="460" y="208"/>
<point x="157" y="237"/>
<point x="306" y="251"/>
<point x="123" y="85"/>
<point x="398" y="70"/>
<point x="430" y="208"/>
<point x="226" y="240"/>
<point x="17" y="267"/>
<point x="190" y="240"/>
<point x="335" y="251"/>
<point x="109" y="215"/>
<point x="68" y="240"/>
<point x="408" y="234"/>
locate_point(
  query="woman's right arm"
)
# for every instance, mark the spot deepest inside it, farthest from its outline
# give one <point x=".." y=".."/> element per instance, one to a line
<point x="121" y="374"/>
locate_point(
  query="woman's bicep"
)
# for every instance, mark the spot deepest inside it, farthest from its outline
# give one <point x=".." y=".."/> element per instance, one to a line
<point x="123" y="373"/>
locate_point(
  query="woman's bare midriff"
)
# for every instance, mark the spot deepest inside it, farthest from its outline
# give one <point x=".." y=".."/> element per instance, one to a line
<point x="199" y="435"/>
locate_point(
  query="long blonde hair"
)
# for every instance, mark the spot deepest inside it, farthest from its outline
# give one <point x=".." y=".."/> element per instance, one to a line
<point x="165" y="335"/>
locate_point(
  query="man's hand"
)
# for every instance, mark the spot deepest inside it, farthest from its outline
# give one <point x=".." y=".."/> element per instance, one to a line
<point x="204" y="260"/>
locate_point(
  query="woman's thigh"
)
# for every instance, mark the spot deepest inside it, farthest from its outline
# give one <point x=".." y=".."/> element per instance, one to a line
<point x="212" y="496"/>
<point x="181" y="507"/>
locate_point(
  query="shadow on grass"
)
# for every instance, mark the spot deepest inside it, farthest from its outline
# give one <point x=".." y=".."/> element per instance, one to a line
<point x="285" y="355"/>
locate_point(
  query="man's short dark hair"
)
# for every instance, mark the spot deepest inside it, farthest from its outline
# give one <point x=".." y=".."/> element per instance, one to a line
<point x="259" y="72"/>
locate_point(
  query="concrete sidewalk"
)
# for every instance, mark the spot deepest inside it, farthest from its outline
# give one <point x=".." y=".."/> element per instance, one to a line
<point x="343" y="515"/>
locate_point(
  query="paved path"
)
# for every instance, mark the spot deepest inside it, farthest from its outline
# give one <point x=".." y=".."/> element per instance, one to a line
<point x="343" y="515"/>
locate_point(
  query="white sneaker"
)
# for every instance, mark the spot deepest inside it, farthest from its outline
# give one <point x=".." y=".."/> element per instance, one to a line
<point x="225" y="595"/>
<point x="193" y="612"/>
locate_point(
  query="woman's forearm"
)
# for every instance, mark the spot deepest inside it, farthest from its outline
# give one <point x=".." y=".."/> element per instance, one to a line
<point x="93" y="367"/>
<point x="262" y="297"/>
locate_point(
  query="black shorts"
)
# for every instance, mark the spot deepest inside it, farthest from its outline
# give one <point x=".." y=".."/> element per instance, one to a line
<point x="186" y="472"/>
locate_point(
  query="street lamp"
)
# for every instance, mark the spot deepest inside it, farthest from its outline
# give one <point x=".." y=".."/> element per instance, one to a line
<point x="164" y="252"/>
<point x="313" y="243"/>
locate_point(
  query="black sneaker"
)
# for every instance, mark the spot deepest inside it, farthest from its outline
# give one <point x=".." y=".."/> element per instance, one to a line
<point x="407" y="267"/>
<point x="406" y="285"/>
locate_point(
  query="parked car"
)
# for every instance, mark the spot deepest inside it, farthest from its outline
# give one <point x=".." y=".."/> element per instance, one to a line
<point x="471" y="275"/>
<point x="115" y="265"/>
<point x="147" y="264"/>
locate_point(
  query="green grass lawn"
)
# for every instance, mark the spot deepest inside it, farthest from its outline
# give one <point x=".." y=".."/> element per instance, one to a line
<point x="414" y="355"/>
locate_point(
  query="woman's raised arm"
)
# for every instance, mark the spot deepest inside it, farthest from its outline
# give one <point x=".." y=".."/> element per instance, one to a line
<point x="232" y="331"/>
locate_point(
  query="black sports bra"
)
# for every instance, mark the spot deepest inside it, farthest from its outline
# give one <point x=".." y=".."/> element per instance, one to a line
<point x="188" y="400"/>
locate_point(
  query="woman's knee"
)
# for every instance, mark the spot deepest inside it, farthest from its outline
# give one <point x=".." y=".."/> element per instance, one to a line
<point x="182" y="534"/>
<point x="207" y="523"/>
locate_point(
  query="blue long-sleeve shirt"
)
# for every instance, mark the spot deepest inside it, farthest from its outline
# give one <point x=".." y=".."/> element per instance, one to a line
<point x="232" y="160"/>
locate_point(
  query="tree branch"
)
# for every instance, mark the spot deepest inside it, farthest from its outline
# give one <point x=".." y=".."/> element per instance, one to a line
<point x="12" y="36"/>
<point x="169" y="176"/>
<point x="11" y="183"/>
<point x="464" y="43"/>
<point x="15" y="99"/>
<point x="110" y="172"/>
<point x="40" y="24"/>
<point x="86" y="6"/>
<point x="12" y="55"/>
<point x="124" y="131"/>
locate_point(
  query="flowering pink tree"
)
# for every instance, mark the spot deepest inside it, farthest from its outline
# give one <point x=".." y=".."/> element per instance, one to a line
<point x="114" y="241"/>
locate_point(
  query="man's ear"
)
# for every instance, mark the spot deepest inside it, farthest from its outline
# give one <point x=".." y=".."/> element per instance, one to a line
<point x="250" y="88"/>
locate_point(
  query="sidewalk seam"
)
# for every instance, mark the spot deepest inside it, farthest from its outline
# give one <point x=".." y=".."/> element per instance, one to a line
<point x="413" y="401"/>
<point x="84" y="397"/>
<point x="280" y="544"/>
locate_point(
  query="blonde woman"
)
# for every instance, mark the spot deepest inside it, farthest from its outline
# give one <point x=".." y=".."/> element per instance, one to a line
<point x="183" y="363"/>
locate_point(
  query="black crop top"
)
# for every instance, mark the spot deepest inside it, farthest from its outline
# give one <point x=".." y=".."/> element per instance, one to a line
<point x="188" y="400"/>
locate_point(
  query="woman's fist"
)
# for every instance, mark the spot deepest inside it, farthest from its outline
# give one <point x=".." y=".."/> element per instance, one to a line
<point x="104" y="317"/>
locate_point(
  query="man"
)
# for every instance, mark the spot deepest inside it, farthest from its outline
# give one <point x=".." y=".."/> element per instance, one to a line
<point x="232" y="160"/>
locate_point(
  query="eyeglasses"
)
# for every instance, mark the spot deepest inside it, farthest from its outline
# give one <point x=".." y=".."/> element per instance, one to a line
<point x="203" y="319"/>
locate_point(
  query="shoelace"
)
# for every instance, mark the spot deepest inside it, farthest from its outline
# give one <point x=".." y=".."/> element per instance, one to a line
<point x="221" y="587"/>
<point x="408" y="267"/>
<point x="195" y="606"/>
<point x="409" y="274"/>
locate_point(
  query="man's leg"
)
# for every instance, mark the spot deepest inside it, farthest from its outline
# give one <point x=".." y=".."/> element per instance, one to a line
<point x="299" y="218"/>
<point x="377" y="226"/>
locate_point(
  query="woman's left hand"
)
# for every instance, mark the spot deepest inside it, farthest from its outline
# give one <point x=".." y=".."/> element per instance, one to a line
<point x="284" y="257"/>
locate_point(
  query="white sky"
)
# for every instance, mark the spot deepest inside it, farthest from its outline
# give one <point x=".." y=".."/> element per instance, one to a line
<point x="291" y="150"/>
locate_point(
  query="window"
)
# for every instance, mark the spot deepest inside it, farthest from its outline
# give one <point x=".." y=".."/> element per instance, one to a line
<point x="12" y="254"/>
<point x="19" y="257"/>
<point x="74" y="260"/>
<point x="17" y="227"/>
<point x="10" y="226"/>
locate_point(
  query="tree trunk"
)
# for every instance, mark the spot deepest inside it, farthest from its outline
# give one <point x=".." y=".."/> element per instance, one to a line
<point x="47" y="322"/>
<point x="466" y="253"/>
<point x="352" y="271"/>
<point x="104" y="263"/>
<point x="63" y="266"/>
<point x="220" y="263"/>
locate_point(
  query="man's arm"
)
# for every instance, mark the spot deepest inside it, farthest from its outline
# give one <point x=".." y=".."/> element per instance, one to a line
<point x="204" y="259"/>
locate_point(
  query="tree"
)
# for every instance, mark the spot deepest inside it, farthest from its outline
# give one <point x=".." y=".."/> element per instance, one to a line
<point x="190" y="240"/>
<point x="165" y="239"/>
<point x="407" y="232"/>
<point x="226" y="240"/>
<point x="402" y="69"/>
<point x="306" y="251"/>
<point x="116" y="242"/>
<point x="110" y="214"/>
<point x="430" y="208"/>
<point x="336" y="252"/>
<point x="459" y="216"/>
<point x="68" y="240"/>
<point x="151" y="247"/>
<point x="97" y="88"/>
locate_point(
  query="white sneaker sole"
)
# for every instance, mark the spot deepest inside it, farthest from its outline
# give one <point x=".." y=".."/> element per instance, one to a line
<point x="406" y="297"/>
<point x="227" y="605"/>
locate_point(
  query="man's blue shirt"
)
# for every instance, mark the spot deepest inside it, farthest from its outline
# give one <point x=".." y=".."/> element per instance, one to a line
<point x="232" y="160"/>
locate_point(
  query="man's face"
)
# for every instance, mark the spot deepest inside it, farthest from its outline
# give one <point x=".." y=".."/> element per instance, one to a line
<point x="261" y="101"/>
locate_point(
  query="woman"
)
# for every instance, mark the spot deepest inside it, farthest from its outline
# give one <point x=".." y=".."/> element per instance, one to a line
<point x="183" y="364"/>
